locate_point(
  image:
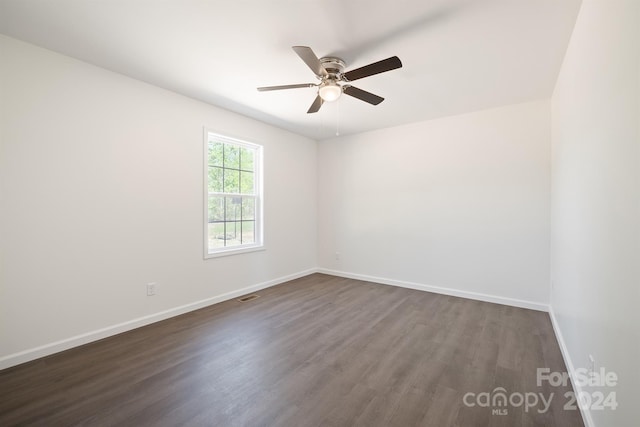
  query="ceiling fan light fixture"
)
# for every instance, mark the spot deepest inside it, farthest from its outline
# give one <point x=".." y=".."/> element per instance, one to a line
<point x="330" y="91"/>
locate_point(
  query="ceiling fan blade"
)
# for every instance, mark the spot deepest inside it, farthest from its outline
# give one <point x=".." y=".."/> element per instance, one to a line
<point x="362" y="95"/>
<point x="306" y="54"/>
<point x="315" y="107"/>
<point x="375" y="68"/>
<point x="268" y="88"/>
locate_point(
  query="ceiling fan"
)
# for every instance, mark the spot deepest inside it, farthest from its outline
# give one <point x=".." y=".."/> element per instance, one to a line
<point x="334" y="81"/>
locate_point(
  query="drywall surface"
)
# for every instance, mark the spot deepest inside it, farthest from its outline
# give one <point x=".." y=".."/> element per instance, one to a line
<point x="460" y="203"/>
<point x="102" y="193"/>
<point x="596" y="201"/>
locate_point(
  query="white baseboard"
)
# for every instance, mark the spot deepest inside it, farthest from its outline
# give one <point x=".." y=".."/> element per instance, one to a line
<point x="440" y="290"/>
<point x="586" y="414"/>
<point x="78" y="340"/>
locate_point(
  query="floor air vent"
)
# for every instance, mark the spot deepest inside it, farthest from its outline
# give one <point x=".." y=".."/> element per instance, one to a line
<point x="248" y="298"/>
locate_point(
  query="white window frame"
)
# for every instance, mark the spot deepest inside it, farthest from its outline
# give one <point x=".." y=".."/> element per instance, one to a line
<point x="258" y="244"/>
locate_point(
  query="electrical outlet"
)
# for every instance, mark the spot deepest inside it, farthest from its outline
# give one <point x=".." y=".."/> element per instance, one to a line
<point x="151" y="289"/>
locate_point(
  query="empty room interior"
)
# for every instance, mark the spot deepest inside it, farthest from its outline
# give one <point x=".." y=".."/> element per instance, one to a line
<point x="329" y="213"/>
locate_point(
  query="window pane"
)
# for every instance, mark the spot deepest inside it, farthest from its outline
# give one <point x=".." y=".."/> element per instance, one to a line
<point x="246" y="159"/>
<point x="248" y="208"/>
<point x="231" y="181"/>
<point x="248" y="232"/>
<point x="246" y="183"/>
<point x="216" y="235"/>
<point x="215" y="179"/>
<point x="233" y="208"/>
<point x="233" y="233"/>
<point x="216" y="208"/>
<point x="215" y="153"/>
<point x="231" y="156"/>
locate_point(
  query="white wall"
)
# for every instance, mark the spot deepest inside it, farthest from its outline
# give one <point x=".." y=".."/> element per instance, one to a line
<point x="596" y="199"/>
<point x="101" y="191"/>
<point x="460" y="203"/>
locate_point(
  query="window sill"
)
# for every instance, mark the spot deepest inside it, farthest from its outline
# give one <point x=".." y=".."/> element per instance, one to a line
<point x="228" y="252"/>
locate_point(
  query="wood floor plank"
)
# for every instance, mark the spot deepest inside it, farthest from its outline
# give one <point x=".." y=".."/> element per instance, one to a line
<point x="316" y="351"/>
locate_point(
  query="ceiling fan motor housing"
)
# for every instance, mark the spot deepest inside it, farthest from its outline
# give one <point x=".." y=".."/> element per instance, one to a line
<point x="333" y="66"/>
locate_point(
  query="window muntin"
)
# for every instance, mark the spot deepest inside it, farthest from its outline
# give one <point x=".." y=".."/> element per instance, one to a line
<point x="233" y="199"/>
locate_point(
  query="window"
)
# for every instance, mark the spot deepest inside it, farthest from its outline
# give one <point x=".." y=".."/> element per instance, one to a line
<point x="233" y="195"/>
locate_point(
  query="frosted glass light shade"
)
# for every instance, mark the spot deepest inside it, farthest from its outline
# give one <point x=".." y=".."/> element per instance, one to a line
<point x="329" y="92"/>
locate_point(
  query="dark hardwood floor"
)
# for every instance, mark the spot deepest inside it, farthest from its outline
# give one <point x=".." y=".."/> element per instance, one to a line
<point x="317" y="351"/>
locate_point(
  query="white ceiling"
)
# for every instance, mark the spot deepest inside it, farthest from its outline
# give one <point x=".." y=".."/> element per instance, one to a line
<point x="458" y="55"/>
